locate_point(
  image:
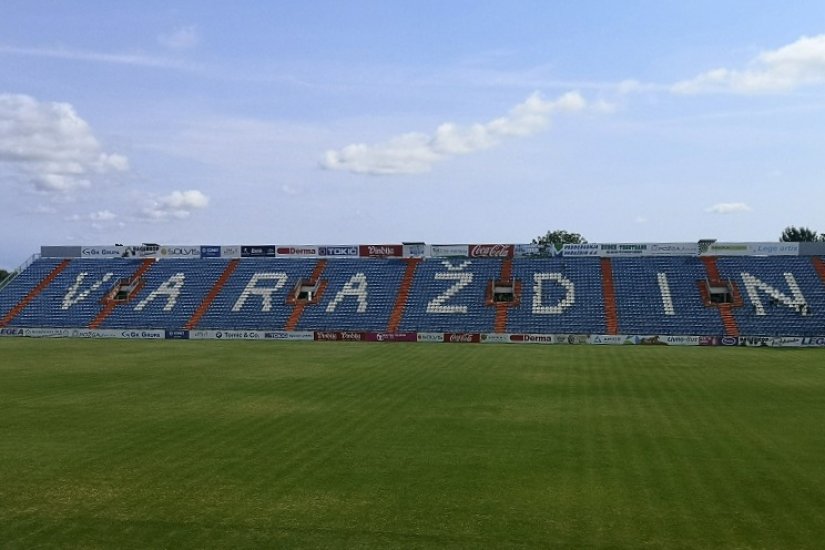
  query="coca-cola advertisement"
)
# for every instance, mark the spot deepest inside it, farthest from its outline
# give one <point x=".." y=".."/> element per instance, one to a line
<point x="462" y="338"/>
<point x="380" y="250"/>
<point x="492" y="250"/>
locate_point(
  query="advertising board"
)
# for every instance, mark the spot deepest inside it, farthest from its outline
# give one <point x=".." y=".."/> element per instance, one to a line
<point x="491" y="250"/>
<point x="61" y="251"/>
<point x="623" y="249"/>
<point x="101" y="252"/>
<point x="231" y="251"/>
<point x="415" y="250"/>
<point x="295" y="335"/>
<point x="380" y="250"/>
<point x="177" y="335"/>
<point x="462" y="338"/>
<point x="179" y="251"/>
<point x="226" y="335"/>
<point x="607" y="339"/>
<point x="495" y="338"/>
<point x="210" y="251"/>
<point x="258" y="250"/>
<point x="530" y="249"/>
<point x="449" y="250"/>
<point x="751" y="249"/>
<point x="338" y="251"/>
<point x="297" y="250"/>
<point x="673" y="249"/>
<point x="430" y="337"/>
<point x="576" y="250"/>
<point x="391" y="337"/>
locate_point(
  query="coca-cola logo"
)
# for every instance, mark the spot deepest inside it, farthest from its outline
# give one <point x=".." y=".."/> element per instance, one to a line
<point x="491" y="251"/>
<point x="463" y="338"/>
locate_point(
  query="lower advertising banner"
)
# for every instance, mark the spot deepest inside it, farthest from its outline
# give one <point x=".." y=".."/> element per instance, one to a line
<point x="462" y="337"/>
<point x="49" y="332"/>
<point x="177" y="335"/>
<point x="787" y="342"/>
<point x="344" y="336"/>
<point x="495" y="338"/>
<point x="294" y="335"/>
<point x="226" y="335"/>
<point x="430" y="337"/>
<point x="607" y="339"/>
<point x="813" y="342"/>
<point x="391" y="337"/>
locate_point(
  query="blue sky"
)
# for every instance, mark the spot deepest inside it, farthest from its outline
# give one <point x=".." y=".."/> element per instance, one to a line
<point x="331" y="122"/>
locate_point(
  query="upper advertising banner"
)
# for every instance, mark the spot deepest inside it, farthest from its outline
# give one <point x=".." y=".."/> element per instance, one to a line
<point x="179" y="251"/>
<point x="258" y="250"/>
<point x="102" y="252"/>
<point x="338" y="251"/>
<point x="380" y="250"/>
<point x="673" y="249"/>
<point x="231" y="251"/>
<point x="532" y="249"/>
<point x="449" y="250"/>
<point x="415" y="250"/>
<point x="210" y="251"/>
<point x="491" y="250"/>
<point x="60" y="251"/>
<point x="751" y="249"/>
<point x="623" y="249"/>
<point x="586" y="249"/>
<point x="305" y="251"/>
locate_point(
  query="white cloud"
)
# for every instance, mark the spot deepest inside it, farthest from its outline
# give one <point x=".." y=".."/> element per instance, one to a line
<point x="728" y="208"/>
<point x="176" y="205"/>
<point x="134" y="59"/>
<point x="49" y="146"/>
<point x="797" y="64"/>
<point x="180" y="39"/>
<point x="96" y="217"/>
<point x="416" y="152"/>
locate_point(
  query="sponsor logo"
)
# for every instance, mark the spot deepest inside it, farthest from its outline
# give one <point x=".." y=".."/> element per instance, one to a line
<point x="537" y="338"/>
<point x="816" y="341"/>
<point x="210" y="251"/>
<point x="326" y="336"/>
<point x="495" y="338"/>
<point x="11" y="332"/>
<point x="787" y="342"/>
<point x="491" y="251"/>
<point x="102" y="252"/>
<point x="463" y="338"/>
<point x="230" y="251"/>
<point x="709" y="341"/>
<point x="238" y="335"/>
<point x="338" y="251"/>
<point x="258" y="251"/>
<point x="587" y="249"/>
<point x="729" y="341"/>
<point x="180" y="251"/>
<point x="447" y="250"/>
<point x="380" y="250"/>
<point x="281" y="335"/>
<point x="145" y="334"/>
<point x="607" y="339"/>
<point x="352" y="336"/>
<point x="755" y="341"/>
<point x="682" y="340"/>
<point x="177" y="335"/>
<point x="430" y="337"/>
<point x="144" y="251"/>
<point x="297" y="251"/>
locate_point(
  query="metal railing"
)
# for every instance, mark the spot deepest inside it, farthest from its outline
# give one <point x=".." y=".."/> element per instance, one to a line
<point x="14" y="274"/>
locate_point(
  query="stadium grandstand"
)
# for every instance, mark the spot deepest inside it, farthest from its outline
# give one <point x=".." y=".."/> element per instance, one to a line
<point x="606" y="293"/>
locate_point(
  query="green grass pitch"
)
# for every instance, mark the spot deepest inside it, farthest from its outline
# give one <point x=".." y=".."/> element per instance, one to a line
<point x="131" y="444"/>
